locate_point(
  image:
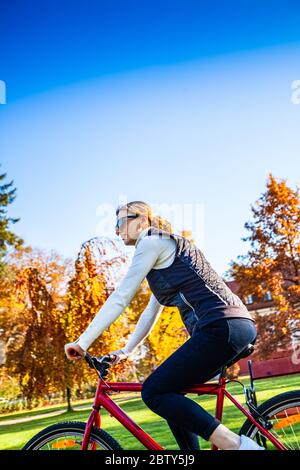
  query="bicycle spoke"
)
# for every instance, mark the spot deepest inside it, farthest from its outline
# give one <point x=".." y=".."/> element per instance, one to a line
<point x="280" y="439"/>
<point x="286" y="432"/>
<point x="296" y="439"/>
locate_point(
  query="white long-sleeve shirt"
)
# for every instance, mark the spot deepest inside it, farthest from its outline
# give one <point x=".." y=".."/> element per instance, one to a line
<point x="150" y="253"/>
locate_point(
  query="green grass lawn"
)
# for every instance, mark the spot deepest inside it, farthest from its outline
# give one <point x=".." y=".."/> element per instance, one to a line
<point x="14" y="436"/>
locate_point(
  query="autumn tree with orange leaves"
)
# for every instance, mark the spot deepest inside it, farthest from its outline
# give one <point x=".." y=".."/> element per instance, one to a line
<point x="32" y="333"/>
<point x="273" y="264"/>
<point x="39" y="361"/>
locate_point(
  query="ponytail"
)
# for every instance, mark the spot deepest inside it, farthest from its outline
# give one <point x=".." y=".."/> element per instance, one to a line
<point x="161" y="223"/>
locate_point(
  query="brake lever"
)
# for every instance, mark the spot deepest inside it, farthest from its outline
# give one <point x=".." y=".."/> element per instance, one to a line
<point x="89" y="359"/>
<point x="100" y="365"/>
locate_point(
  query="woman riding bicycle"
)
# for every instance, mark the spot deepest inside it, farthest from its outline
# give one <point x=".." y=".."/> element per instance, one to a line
<point x="218" y="323"/>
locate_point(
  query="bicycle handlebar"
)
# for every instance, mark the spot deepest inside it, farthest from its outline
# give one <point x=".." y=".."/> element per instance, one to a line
<point x="101" y="364"/>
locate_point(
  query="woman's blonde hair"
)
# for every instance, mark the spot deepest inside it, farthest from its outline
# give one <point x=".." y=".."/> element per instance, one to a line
<point x="142" y="208"/>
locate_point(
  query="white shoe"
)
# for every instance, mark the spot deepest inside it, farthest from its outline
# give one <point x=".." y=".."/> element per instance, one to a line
<point x="249" y="444"/>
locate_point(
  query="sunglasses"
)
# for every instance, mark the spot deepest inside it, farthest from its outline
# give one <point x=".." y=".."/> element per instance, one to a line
<point x="121" y="220"/>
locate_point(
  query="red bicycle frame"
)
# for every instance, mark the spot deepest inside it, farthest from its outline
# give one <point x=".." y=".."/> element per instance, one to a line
<point x="102" y="400"/>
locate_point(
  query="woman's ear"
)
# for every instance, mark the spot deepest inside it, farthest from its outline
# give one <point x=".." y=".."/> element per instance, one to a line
<point x="144" y="219"/>
<point x="139" y="227"/>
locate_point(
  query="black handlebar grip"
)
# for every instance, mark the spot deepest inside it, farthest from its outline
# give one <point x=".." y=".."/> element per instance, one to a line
<point x="73" y="353"/>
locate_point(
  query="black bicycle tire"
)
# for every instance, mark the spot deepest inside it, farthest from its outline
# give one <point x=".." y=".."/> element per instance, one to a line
<point x="73" y="426"/>
<point x="268" y="408"/>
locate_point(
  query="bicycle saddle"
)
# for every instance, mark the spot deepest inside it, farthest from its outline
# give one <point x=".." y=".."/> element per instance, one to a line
<point x="247" y="351"/>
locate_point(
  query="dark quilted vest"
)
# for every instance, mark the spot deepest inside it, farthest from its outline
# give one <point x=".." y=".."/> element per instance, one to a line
<point x="193" y="286"/>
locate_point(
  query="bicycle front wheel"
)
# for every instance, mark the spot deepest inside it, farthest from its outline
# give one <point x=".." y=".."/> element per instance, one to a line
<point x="283" y="412"/>
<point x="69" y="436"/>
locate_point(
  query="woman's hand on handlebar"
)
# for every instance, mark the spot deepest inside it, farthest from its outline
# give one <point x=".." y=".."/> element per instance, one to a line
<point x="74" y="352"/>
<point x="118" y="356"/>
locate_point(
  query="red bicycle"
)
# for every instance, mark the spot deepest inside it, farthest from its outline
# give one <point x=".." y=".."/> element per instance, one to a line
<point x="275" y="424"/>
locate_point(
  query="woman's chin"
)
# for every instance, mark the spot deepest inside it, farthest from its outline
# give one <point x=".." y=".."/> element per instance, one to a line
<point x="128" y="241"/>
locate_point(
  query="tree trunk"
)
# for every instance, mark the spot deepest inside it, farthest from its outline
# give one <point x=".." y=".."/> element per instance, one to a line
<point x="69" y="400"/>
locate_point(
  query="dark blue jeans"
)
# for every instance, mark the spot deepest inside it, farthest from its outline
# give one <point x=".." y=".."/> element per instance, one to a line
<point x="199" y="359"/>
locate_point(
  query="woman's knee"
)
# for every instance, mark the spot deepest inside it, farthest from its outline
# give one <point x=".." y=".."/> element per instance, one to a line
<point x="149" y="394"/>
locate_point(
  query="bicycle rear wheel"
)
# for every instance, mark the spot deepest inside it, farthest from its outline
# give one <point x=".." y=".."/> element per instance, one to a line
<point x="283" y="412"/>
<point x="69" y="436"/>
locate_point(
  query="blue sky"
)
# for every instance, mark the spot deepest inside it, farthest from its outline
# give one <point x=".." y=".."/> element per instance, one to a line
<point x="167" y="102"/>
